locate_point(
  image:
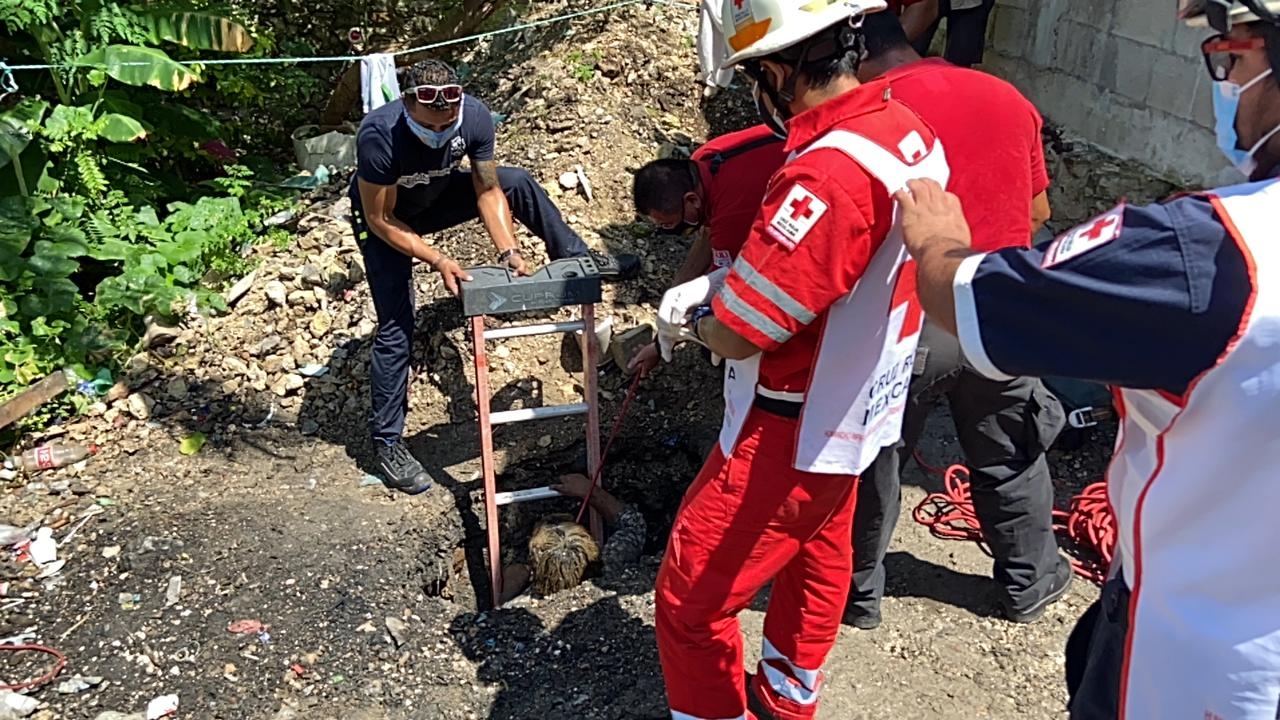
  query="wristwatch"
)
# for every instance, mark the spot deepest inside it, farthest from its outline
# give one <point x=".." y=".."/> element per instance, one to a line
<point x="506" y="254"/>
<point x="698" y="313"/>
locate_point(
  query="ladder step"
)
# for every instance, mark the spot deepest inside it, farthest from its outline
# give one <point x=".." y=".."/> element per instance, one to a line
<point x="538" y="413"/>
<point x="533" y="329"/>
<point x="519" y="496"/>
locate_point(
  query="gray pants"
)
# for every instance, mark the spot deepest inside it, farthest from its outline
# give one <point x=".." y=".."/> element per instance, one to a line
<point x="1004" y="429"/>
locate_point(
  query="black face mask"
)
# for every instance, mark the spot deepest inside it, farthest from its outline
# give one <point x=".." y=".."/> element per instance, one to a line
<point x="769" y="118"/>
<point x="684" y="229"/>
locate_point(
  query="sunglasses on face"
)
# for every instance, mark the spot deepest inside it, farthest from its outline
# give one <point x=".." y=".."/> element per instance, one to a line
<point x="1221" y="52"/>
<point x="430" y="94"/>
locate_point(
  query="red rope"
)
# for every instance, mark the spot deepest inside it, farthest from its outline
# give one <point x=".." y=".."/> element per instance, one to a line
<point x="1087" y="523"/>
<point x="613" y="435"/>
<point x="57" y="668"/>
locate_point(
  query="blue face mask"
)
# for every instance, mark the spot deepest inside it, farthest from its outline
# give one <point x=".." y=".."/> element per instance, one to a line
<point x="1226" y="105"/>
<point x="435" y="139"/>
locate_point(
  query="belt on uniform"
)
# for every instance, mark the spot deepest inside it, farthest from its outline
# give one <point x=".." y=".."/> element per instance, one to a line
<point x="779" y="403"/>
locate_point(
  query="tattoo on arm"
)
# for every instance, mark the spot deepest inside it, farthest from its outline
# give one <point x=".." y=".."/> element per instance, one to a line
<point x="486" y="174"/>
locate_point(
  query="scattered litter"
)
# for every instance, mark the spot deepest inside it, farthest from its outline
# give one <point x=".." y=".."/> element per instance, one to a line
<point x="88" y="513"/>
<point x="313" y="370"/>
<point x="264" y="637"/>
<point x="52" y="455"/>
<point x="113" y="715"/>
<point x="298" y="670"/>
<point x="337" y="679"/>
<point x="367" y="627"/>
<point x="16" y="705"/>
<point x="110" y="551"/>
<point x="163" y="706"/>
<point x="242" y="285"/>
<point x="397" y="630"/>
<point x="368" y="480"/>
<point x="97" y="386"/>
<point x="583" y="182"/>
<point x="105" y="502"/>
<point x="192" y="443"/>
<point x="246" y="626"/>
<point x="76" y="684"/>
<point x="52" y="569"/>
<point x="129" y="601"/>
<point x="174" y="592"/>
<point x="569" y="180"/>
<point x="271" y="413"/>
<point x="43" y="549"/>
<point x="10" y="535"/>
<point x="311" y="483"/>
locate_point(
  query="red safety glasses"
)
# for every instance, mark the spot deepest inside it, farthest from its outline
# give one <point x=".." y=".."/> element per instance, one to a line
<point x="1220" y="53"/>
<point x="430" y="94"/>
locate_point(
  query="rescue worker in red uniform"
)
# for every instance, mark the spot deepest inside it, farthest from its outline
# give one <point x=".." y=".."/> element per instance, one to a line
<point x="818" y="324"/>
<point x="713" y="196"/>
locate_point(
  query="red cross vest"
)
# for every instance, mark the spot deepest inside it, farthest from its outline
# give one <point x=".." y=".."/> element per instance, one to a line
<point x="1195" y="484"/>
<point x="858" y="388"/>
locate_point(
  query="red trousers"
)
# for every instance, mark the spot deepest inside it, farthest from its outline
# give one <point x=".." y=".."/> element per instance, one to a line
<point x="749" y="519"/>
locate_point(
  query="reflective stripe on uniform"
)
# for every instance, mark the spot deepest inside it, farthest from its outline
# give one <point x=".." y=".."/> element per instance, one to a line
<point x="752" y="316"/>
<point x="796" y="684"/>
<point x="771" y="292"/>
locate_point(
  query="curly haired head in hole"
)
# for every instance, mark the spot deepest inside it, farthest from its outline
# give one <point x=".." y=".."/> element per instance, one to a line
<point x="560" y="553"/>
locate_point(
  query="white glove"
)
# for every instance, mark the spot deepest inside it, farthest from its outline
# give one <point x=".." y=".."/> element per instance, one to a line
<point x="678" y="302"/>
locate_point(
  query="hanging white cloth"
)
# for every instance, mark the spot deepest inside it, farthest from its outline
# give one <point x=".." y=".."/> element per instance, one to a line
<point x="378" y="83"/>
<point x="711" y="47"/>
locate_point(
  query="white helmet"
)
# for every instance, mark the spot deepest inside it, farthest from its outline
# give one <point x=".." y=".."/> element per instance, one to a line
<point x="757" y="28"/>
<point x="1203" y="13"/>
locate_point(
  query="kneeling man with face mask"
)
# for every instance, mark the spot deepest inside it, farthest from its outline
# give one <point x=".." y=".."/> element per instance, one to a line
<point x="409" y="182"/>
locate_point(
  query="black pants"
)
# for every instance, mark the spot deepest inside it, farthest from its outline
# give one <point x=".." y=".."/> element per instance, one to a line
<point x="1004" y="429"/>
<point x="966" y="33"/>
<point x="1095" y="655"/>
<point x="390" y="275"/>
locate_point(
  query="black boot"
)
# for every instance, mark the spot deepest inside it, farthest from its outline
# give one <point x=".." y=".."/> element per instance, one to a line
<point x="400" y="470"/>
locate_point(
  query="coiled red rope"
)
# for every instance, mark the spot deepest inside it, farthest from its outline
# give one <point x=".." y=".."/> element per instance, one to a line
<point x="1087" y="523"/>
<point x="59" y="664"/>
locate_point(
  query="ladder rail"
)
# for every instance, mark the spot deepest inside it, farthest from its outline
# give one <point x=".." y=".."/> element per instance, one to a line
<point x="590" y="407"/>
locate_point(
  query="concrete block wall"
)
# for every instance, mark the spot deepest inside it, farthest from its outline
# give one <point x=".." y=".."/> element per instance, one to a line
<point x="1123" y="74"/>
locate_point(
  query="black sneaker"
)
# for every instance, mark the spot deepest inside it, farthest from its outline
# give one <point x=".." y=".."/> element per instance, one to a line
<point x="864" y="617"/>
<point x="400" y="470"/>
<point x="619" y="267"/>
<point x="1061" y="583"/>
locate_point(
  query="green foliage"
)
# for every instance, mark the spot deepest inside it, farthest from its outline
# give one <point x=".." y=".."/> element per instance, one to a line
<point x="85" y="255"/>
<point x="582" y="66"/>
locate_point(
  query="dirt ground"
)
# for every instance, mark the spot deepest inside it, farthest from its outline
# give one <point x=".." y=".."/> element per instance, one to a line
<point x="368" y="599"/>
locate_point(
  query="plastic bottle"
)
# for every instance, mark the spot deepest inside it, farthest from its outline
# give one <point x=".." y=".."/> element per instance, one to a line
<point x="53" y="455"/>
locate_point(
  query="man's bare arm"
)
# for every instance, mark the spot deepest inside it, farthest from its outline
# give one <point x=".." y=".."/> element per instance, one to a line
<point x="723" y="341"/>
<point x="492" y="204"/>
<point x="1040" y="212"/>
<point x="379" y="202"/>
<point x="917" y="18"/>
<point x="697" y="260"/>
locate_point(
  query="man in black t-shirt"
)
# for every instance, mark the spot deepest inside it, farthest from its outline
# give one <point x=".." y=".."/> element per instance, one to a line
<point x="409" y="182"/>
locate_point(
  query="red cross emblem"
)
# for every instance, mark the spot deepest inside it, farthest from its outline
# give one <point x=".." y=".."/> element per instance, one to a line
<point x="1099" y="228"/>
<point x="738" y="4"/>
<point x="1085" y="238"/>
<point x="801" y="210"/>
